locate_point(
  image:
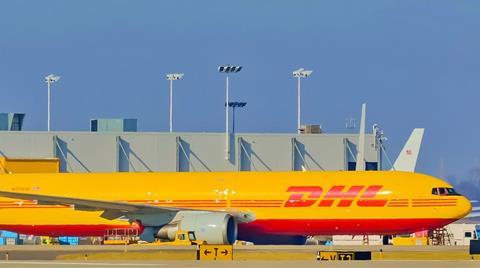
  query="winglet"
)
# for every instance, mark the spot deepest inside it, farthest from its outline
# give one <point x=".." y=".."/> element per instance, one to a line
<point x="407" y="159"/>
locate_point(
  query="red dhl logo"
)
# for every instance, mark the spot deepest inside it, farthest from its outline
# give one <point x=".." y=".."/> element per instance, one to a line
<point x="306" y="196"/>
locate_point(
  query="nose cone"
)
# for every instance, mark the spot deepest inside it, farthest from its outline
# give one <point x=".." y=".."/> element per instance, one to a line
<point x="464" y="207"/>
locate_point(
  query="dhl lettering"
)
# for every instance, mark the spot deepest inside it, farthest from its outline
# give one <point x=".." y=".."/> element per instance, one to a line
<point x="337" y="192"/>
<point x="366" y="198"/>
<point x="296" y="200"/>
<point x="326" y="203"/>
<point x="371" y="191"/>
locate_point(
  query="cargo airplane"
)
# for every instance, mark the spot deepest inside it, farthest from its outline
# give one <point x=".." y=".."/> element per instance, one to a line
<point x="221" y="207"/>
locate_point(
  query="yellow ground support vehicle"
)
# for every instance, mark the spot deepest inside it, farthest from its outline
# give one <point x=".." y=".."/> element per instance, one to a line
<point x="46" y="240"/>
<point x="183" y="238"/>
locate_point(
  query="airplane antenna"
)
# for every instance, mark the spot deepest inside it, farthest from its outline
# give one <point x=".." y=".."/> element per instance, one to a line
<point x="379" y="143"/>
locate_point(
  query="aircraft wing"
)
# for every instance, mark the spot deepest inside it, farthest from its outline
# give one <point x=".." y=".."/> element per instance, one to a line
<point x="115" y="209"/>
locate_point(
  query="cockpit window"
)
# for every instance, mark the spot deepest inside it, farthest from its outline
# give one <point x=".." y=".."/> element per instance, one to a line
<point x="451" y="191"/>
<point x="444" y="191"/>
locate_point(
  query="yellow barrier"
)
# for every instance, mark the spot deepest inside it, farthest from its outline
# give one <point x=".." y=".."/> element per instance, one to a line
<point x="409" y="241"/>
<point x="29" y="165"/>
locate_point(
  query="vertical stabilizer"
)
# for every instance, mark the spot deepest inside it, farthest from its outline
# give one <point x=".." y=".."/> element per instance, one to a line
<point x="407" y="159"/>
<point x="361" y="141"/>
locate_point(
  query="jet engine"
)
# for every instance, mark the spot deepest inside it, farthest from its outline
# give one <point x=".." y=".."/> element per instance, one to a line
<point x="212" y="227"/>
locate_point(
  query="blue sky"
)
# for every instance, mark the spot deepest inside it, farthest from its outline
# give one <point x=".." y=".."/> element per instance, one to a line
<point x="416" y="64"/>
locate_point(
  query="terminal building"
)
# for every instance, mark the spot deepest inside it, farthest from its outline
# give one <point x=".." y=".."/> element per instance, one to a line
<point x="114" y="145"/>
<point x="156" y="152"/>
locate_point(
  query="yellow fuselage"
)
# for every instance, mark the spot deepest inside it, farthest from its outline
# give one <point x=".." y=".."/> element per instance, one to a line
<point x="284" y="203"/>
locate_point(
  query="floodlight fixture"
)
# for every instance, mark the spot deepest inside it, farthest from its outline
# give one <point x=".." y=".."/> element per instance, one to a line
<point x="176" y="76"/>
<point x="51" y="78"/>
<point x="172" y="77"/>
<point x="227" y="68"/>
<point x="237" y="104"/>
<point x="302" y="73"/>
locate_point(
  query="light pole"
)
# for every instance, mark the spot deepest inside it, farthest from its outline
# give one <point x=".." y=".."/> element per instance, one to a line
<point x="227" y="69"/>
<point x="299" y="74"/>
<point x="233" y="105"/>
<point x="50" y="79"/>
<point x="171" y="78"/>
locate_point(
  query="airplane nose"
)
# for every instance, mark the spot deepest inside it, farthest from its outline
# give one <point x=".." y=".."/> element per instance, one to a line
<point x="464" y="207"/>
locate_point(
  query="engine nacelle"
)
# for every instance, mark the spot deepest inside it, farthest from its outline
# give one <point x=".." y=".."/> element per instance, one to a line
<point x="168" y="231"/>
<point x="212" y="227"/>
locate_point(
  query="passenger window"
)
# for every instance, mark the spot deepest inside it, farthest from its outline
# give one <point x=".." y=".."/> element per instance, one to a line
<point x="468" y="234"/>
<point x="435" y="191"/>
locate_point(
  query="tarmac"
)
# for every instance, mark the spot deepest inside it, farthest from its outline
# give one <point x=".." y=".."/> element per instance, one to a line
<point x="244" y="256"/>
<point x="253" y="264"/>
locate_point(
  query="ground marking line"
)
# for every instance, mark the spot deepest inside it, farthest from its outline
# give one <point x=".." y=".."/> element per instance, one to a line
<point x="82" y="263"/>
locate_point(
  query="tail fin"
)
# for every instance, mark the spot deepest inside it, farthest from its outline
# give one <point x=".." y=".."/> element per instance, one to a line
<point x="407" y="159"/>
